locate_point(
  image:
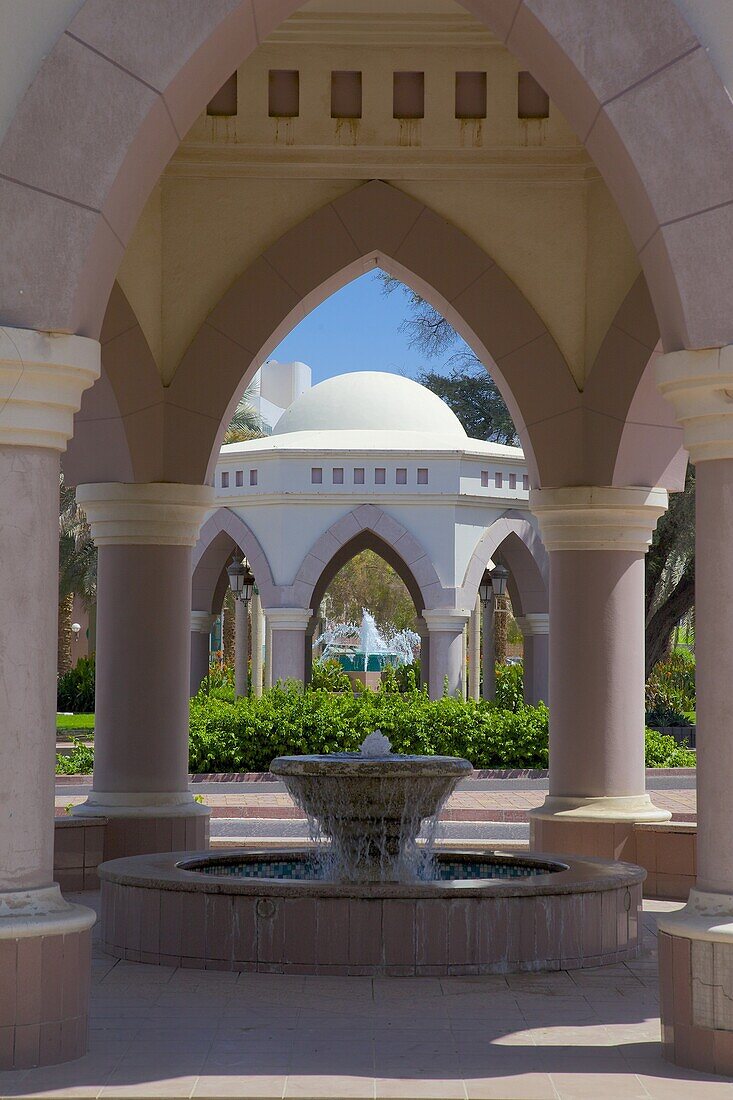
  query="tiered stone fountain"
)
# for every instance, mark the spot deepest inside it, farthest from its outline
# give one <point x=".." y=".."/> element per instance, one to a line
<point x="369" y="897"/>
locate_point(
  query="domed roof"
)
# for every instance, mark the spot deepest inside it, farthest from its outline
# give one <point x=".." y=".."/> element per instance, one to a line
<point x="371" y="401"/>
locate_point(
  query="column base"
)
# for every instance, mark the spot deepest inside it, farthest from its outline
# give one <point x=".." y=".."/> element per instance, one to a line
<point x="602" y="826"/>
<point x="45" y="969"/>
<point x="696" y="983"/>
<point x="139" y="824"/>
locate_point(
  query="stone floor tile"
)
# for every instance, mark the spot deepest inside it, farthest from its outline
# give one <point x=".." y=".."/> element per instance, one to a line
<point x="252" y="1088"/>
<point x="583" y="1086"/>
<point x="404" y="1088"/>
<point x="130" y="1085"/>
<point x="520" y="1086"/>
<point x="338" y="1087"/>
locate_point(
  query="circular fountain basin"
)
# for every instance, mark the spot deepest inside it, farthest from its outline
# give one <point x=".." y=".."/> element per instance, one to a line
<point x="258" y="910"/>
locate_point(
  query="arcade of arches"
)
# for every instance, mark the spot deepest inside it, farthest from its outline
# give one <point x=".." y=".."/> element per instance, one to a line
<point x="155" y="252"/>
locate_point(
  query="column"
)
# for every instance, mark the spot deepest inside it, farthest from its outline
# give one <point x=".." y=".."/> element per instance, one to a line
<point x="696" y="943"/>
<point x="201" y="624"/>
<point x="268" y="651"/>
<point x="286" y="655"/>
<point x="257" y="641"/>
<point x="447" y="668"/>
<point x="597" y="538"/>
<point x="422" y="630"/>
<point x="535" y="627"/>
<point x="144" y="534"/>
<point x="488" y="657"/>
<point x="474" y="671"/>
<point x="43" y="1001"/>
<point x="241" y="647"/>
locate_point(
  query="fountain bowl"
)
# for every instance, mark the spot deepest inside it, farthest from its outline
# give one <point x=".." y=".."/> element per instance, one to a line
<point x="371" y="805"/>
<point x="243" y="910"/>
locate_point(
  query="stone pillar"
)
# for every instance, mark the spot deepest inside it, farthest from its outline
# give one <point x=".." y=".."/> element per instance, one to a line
<point x="488" y="656"/>
<point x="45" y="942"/>
<point x="257" y="638"/>
<point x="696" y="943"/>
<point x="145" y="534"/>
<point x="597" y="538"/>
<point x="535" y="627"/>
<point x="268" y="650"/>
<point x="446" y="630"/>
<point x="241" y="647"/>
<point x="474" y="672"/>
<point x="201" y="624"/>
<point x="286" y="654"/>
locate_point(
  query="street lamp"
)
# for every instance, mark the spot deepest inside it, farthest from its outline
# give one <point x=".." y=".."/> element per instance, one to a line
<point x="499" y="578"/>
<point x="241" y="580"/>
<point x="485" y="589"/>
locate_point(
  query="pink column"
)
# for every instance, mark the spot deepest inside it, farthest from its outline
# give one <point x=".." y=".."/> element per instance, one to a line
<point x="287" y="648"/>
<point x="43" y="999"/>
<point x="535" y="630"/>
<point x="696" y="943"/>
<point x="447" y="670"/>
<point x="201" y="626"/>
<point x="597" y="538"/>
<point x="241" y="647"/>
<point x="488" y="653"/>
<point x="144" y="534"/>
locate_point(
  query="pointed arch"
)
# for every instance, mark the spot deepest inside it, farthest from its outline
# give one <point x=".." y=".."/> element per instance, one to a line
<point x="368" y="527"/>
<point x="633" y="80"/>
<point x="222" y="532"/>
<point x="520" y="543"/>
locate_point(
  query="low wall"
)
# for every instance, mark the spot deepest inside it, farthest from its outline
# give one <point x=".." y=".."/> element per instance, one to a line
<point x="77" y="852"/>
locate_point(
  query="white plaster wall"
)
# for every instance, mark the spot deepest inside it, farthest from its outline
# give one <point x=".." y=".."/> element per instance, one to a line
<point x="28" y="30"/>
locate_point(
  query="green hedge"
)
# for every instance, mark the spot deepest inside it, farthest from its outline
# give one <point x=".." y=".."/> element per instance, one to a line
<point x="228" y="735"/>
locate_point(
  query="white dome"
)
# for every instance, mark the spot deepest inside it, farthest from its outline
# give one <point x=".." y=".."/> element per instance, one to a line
<point x="371" y="401"/>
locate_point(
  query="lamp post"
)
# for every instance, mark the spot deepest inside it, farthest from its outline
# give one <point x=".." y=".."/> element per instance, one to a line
<point x="499" y="578"/>
<point x="241" y="583"/>
<point x="241" y="580"/>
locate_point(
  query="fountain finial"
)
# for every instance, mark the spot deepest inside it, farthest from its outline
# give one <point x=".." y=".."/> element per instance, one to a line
<point x="376" y="744"/>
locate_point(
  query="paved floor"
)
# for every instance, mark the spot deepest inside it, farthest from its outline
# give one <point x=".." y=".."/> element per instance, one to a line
<point x="586" y="1035"/>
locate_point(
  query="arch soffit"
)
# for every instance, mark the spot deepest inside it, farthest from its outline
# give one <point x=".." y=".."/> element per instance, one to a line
<point x="374" y="225"/>
<point x="369" y="527"/>
<point x="520" y="542"/>
<point x="221" y="533"/>
<point x="632" y="79"/>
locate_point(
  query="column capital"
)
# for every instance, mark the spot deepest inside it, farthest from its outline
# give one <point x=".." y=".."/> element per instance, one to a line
<point x="446" y="619"/>
<point x="42" y="378"/>
<point x="288" y="618"/>
<point x="700" y="386"/>
<point x="202" y="622"/>
<point x="535" y="622"/>
<point x="147" y="514"/>
<point x="591" y="517"/>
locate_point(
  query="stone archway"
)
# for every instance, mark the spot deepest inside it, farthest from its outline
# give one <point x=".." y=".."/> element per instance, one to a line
<point x="127" y="91"/>
<point x="223" y="531"/>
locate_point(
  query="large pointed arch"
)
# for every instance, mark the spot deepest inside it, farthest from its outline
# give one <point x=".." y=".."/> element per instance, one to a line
<point x="113" y="98"/>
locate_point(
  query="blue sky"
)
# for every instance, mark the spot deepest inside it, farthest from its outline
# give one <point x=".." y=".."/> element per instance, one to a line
<point x="357" y="328"/>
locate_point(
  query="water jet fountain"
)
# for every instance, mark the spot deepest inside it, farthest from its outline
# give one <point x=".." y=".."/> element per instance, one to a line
<point x="367" y="897"/>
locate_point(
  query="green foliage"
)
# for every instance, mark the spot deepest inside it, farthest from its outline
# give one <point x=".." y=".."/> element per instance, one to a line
<point x="662" y="751"/>
<point x="329" y="676"/>
<point x="245" y="735"/>
<point x="79" y="761"/>
<point x="75" y="689"/>
<point x="670" y="691"/>
<point x="510" y="687"/>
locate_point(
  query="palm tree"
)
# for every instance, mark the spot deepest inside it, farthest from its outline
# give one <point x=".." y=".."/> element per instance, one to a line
<point x="77" y="568"/>
<point x="246" y="422"/>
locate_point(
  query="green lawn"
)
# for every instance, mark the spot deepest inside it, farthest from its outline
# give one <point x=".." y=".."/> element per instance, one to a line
<point x="73" y="722"/>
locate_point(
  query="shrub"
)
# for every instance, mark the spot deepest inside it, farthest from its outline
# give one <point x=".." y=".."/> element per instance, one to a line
<point x="75" y="689"/>
<point x="662" y="751"/>
<point x="328" y="675"/>
<point x="670" y="691"/>
<point x="510" y="687"/>
<point x="80" y="760"/>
